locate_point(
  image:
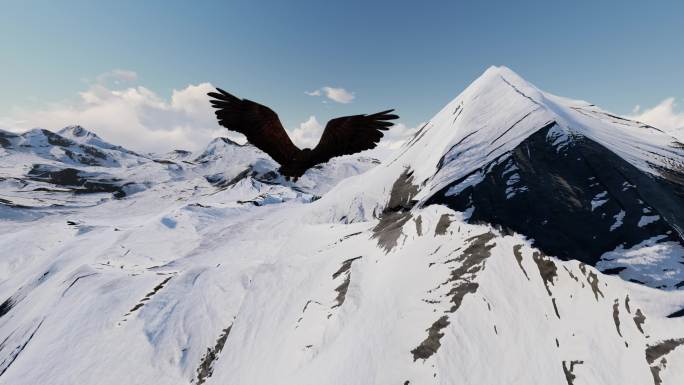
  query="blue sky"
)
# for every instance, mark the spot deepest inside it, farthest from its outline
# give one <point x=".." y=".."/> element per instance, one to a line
<point x="413" y="56"/>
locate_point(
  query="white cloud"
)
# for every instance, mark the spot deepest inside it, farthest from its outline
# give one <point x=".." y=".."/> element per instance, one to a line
<point x="396" y="136"/>
<point x="117" y="76"/>
<point x="134" y="117"/>
<point x="339" y="95"/>
<point x="665" y="115"/>
<point x="393" y="139"/>
<point x="307" y="134"/>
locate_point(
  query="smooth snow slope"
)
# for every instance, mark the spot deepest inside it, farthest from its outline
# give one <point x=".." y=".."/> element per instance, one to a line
<point x="196" y="279"/>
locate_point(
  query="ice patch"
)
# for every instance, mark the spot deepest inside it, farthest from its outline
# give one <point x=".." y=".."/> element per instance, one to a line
<point x="619" y="217"/>
<point x="646" y="219"/>
<point x="599" y="200"/>
<point x="650" y="262"/>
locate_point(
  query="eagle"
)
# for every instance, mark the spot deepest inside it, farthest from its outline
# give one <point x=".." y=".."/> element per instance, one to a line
<point x="342" y="136"/>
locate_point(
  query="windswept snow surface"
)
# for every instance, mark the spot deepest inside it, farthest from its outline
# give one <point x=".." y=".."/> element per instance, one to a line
<point x="216" y="270"/>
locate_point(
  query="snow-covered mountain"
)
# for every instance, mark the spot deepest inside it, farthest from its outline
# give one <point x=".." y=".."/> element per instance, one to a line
<point x="677" y="133"/>
<point x="518" y="237"/>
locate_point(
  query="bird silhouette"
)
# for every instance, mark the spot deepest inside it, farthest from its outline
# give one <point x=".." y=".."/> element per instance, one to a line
<point x="342" y="136"/>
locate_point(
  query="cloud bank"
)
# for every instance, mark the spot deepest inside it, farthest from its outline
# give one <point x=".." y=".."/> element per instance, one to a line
<point x="140" y="119"/>
<point x="134" y="117"/>
<point x="309" y="133"/>
<point x="665" y="116"/>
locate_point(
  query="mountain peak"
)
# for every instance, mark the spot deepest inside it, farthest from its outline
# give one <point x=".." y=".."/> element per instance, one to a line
<point x="77" y="131"/>
<point x="500" y="109"/>
<point x="221" y="141"/>
<point x="81" y="135"/>
<point x="501" y="71"/>
<point x="224" y="148"/>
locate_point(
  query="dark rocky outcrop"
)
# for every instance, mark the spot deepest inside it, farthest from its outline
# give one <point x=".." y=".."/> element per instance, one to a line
<point x="397" y="211"/>
<point x="77" y="180"/>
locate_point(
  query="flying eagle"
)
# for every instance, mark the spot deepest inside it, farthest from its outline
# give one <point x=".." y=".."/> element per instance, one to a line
<point x="261" y="126"/>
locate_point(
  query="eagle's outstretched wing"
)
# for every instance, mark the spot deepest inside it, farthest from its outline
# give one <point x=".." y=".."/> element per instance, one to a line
<point x="351" y="134"/>
<point x="258" y="123"/>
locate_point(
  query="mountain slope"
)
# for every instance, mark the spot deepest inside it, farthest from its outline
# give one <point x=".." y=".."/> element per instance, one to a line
<point x="406" y="272"/>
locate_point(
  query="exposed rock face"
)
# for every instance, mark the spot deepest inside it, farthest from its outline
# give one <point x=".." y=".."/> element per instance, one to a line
<point x="396" y="212"/>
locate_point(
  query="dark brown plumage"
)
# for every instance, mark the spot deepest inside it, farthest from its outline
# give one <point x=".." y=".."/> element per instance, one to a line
<point x="261" y="126"/>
